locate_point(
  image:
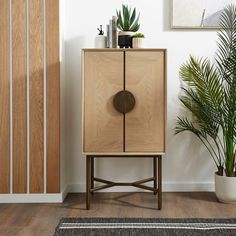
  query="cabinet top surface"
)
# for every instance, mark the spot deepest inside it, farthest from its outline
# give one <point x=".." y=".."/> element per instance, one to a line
<point x="124" y="49"/>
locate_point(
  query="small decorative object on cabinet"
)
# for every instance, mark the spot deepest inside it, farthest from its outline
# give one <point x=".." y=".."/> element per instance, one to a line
<point x="124" y="110"/>
<point x="112" y="33"/>
<point x="101" y="39"/>
<point x="128" y="23"/>
<point x="138" y="40"/>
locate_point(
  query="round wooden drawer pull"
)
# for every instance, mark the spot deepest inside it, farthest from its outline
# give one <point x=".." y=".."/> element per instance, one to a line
<point x="124" y="101"/>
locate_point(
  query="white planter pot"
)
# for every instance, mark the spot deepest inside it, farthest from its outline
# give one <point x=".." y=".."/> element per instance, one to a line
<point x="138" y="43"/>
<point x="122" y="33"/>
<point x="225" y="188"/>
<point x="101" y="41"/>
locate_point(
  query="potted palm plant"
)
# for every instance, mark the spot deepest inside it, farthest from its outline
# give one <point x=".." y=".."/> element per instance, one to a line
<point x="128" y="23"/>
<point x="209" y="93"/>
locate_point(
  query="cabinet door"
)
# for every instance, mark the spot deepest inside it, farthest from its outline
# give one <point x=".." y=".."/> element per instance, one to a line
<point x="103" y="78"/>
<point x="145" y="124"/>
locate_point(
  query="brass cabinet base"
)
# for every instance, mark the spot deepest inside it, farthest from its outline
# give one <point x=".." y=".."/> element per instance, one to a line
<point x="157" y="180"/>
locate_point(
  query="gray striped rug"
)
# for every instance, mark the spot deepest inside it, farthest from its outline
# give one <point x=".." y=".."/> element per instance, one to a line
<point x="145" y="227"/>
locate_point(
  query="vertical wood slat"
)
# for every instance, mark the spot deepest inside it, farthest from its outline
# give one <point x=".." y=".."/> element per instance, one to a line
<point x="36" y="96"/>
<point x="4" y="96"/>
<point x="19" y="97"/>
<point x="52" y="96"/>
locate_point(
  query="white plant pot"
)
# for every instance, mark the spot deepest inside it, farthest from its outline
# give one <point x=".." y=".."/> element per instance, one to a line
<point x="122" y="33"/>
<point x="225" y="188"/>
<point x="138" y="42"/>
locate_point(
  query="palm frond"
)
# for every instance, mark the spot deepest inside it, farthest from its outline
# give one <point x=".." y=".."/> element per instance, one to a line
<point x="204" y="78"/>
<point x="209" y="93"/>
<point x="226" y="55"/>
<point x="183" y="125"/>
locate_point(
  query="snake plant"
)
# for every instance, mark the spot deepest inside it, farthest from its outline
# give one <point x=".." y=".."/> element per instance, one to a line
<point x="127" y="20"/>
<point x="209" y="93"/>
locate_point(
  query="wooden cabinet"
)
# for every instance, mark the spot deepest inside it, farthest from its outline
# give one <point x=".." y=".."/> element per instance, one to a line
<point x="124" y="111"/>
<point x="139" y="71"/>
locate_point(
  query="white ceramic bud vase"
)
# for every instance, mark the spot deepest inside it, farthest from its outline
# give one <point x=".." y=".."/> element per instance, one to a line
<point x="101" y="41"/>
<point x="138" y="42"/>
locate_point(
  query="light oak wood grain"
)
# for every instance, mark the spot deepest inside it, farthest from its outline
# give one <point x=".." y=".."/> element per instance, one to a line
<point x="36" y="95"/>
<point x="145" y="124"/>
<point x="42" y="219"/>
<point x="103" y="78"/>
<point x="125" y="154"/>
<point x="19" y="97"/>
<point x="4" y="97"/>
<point x="53" y="96"/>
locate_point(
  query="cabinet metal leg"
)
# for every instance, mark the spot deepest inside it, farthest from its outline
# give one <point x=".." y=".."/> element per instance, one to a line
<point x="156" y="178"/>
<point x="159" y="182"/>
<point x="92" y="173"/>
<point x="88" y="181"/>
<point x="155" y="175"/>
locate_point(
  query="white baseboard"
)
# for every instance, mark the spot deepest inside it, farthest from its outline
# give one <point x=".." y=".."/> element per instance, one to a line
<point x="34" y="198"/>
<point x="80" y="187"/>
<point x="65" y="192"/>
<point x="166" y="187"/>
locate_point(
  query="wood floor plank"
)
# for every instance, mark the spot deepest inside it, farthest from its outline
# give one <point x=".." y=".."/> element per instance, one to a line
<point x="19" y="98"/>
<point x="36" y="96"/>
<point x="53" y="96"/>
<point x="42" y="219"/>
<point x="4" y="97"/>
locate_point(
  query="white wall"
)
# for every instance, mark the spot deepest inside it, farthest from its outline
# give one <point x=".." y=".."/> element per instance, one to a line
<point x="186" y="166"/>
<point x="63" y="95"/>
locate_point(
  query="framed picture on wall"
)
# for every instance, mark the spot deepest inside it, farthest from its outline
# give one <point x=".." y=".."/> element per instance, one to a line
<point x="197" y="13"/>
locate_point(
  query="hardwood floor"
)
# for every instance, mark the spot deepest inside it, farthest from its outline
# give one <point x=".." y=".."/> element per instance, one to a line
<point x="41" y="219"/>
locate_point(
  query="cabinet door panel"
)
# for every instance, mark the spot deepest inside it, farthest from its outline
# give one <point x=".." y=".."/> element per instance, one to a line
<point x="103" y="125"/>
<point x="145" y="124"/>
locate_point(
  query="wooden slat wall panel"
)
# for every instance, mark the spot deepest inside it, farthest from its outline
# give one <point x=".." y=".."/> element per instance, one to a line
<point x="4" y="98"/>
<point x="36" y="95"/>
<point x="53" y="96"/>
<point x="19" y="97"/>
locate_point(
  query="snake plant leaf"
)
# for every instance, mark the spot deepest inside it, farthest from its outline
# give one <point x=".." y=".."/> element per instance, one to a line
<point x="120" y="24"/>
<point x="129" y="13"/>
<point x="135" y="26"/>
<point x="127" y="19"/>
<point x="133" y="16"/>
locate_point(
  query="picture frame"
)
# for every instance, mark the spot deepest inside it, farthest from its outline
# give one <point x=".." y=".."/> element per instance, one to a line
<point x="197" y="14"/>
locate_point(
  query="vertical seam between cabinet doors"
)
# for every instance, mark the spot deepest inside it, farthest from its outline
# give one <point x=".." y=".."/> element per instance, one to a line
<point x="124" y="113"/>
<point x="27" y="97"/>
